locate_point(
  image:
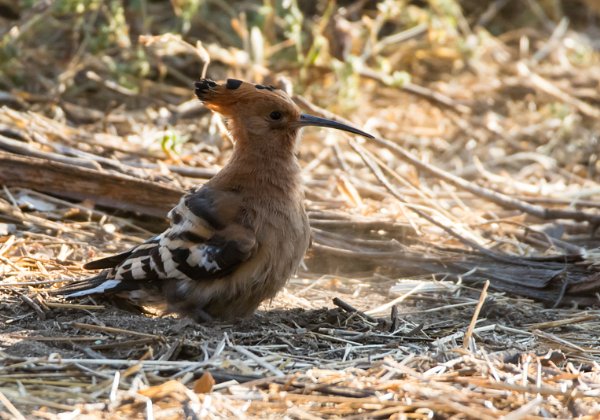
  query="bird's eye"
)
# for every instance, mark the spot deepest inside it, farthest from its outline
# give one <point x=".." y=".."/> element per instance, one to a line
<point x="275" y="115"/>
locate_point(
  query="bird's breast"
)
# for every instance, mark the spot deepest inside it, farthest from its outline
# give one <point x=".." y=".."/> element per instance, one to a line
<point x="283" y="235"/>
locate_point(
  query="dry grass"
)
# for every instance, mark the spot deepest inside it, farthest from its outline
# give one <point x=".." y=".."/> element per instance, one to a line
<point x="485" y="169"/>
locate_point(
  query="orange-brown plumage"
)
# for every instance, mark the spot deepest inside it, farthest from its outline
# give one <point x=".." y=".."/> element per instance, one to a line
<point x="236" y="240"/>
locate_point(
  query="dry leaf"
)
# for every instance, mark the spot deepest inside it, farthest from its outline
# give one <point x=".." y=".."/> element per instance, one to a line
<point x="204" y="384"/>
<point x="170" y="388"/>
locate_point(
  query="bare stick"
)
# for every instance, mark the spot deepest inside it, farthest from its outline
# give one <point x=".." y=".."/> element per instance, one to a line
<point x="112" y="330"/>
<point x="469" y="332"/>
<point x="10" y="407"/>
<point x="351" y="309"/>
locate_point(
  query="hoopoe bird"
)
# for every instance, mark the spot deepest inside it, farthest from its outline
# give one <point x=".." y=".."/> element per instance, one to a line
<point x="236" y="240"/>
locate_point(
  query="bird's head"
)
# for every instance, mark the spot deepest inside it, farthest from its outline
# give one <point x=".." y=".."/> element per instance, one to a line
<point x="262" y="116"/>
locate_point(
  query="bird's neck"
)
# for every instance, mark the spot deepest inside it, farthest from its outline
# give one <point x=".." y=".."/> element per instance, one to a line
<point x="267" y="172"/>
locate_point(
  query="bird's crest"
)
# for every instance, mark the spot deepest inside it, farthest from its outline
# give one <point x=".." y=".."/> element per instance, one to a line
<point x="223" y="97"/>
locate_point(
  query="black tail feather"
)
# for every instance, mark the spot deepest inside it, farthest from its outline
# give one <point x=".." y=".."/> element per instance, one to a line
<point x="114" y="260"/>
<point x="81" y="285"/>
<point x="107" y="262"/>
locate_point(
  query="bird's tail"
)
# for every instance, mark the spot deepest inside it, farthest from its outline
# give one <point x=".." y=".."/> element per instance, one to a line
<point x="90" y="286"/>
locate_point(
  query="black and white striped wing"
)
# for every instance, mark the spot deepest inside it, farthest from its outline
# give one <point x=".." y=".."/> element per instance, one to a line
<point x="203" y="242"/>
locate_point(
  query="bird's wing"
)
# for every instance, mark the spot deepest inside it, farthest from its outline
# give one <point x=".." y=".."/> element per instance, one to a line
<point x="206" y="240"/>
<point x="114" y="260"/>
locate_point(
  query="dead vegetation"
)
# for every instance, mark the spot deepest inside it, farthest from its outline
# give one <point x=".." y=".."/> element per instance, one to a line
<point x="485" y="169"/>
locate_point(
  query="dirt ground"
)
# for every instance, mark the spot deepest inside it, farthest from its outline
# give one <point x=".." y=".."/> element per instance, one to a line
<point x="67" y="359"/>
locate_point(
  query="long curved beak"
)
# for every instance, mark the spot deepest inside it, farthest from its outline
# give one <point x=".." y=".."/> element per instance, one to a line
<point x="306" y="120"/>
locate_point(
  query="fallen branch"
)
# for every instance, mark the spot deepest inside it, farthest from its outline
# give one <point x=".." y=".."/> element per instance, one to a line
<point x="78" y="183"/>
